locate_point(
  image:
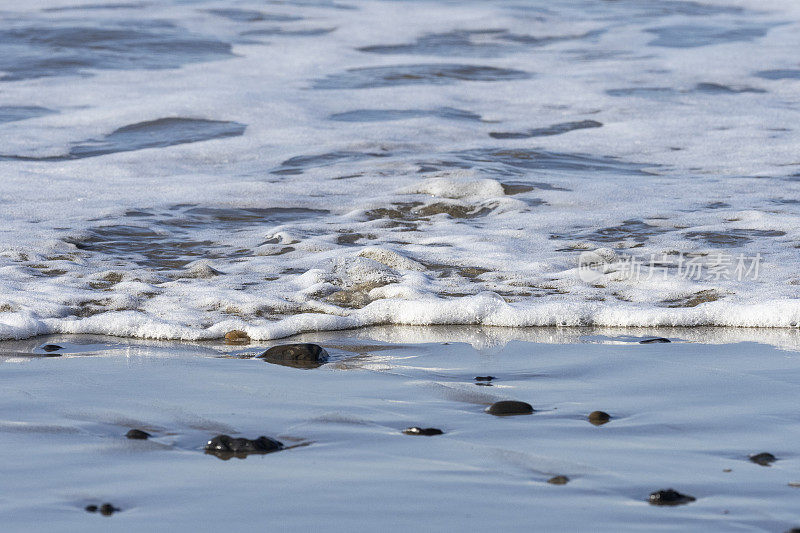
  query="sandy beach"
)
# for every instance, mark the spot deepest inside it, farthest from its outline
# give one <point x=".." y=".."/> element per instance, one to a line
<point x="684" y="415"/>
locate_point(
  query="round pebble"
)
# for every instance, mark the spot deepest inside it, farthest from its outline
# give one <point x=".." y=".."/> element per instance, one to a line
<point x="52" y="347"/>
<point x="296" y="355"/>
<point x="425" y="432"/>
<point x="510" y="408"/>
<point x="763" y="459"/>
<point x="558" y="480"/>
<point x="237" y="336"/>
<point x="598" y="418"/>
<point x="138" y="434"/>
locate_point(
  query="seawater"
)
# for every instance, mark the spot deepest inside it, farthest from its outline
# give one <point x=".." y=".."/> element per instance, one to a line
<point x="178" y="169"/>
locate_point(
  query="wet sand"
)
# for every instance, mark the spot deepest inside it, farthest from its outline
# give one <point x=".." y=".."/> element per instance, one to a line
<point x="686" y="415"/>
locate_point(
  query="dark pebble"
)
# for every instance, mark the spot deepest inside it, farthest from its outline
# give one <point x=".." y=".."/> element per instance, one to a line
<point x="598" y="418"/>
<point x="793" y="530"/>
<point x="225" y="447"/>
<point x="106" y="509"/>
<point x="426" y="432"/>
<point x="669" y="497"/>
<point x="509" y="408"/>
<point x="52" y="347"/>
<point x="296" y="355"/>
<point x="558" y="480"/>
<point x="138" y="434"/>
<point x="655" y="340"/>
<point x="763" y="459"/>
<point x="484" y="378"/>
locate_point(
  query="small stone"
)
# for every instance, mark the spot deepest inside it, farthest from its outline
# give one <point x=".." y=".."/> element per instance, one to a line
<point x="558" y="480"/>
<point x="237" y="336"/>
<point x="107" y="509"/>
<point x="510" y="408"/>
<point x="296" y="355"/>
<point x="91" y="508"/>
<point x="795" y="484"/>
<point x="225" y="447"/>
<point x="52" y="347"/>
<point x="669" y="497"/>
<point x="654" y="340"/>
<point x="484" y="378"/>
<point x="727" y="470"/>
<point x="138" y="434"/>
<point x="426" y="432"/>
<point x="793" y="530"/>
<point x="763" y="459"/>
<point x="598" y="418"/>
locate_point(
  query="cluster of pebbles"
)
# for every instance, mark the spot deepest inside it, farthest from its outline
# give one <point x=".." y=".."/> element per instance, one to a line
<point x="307" y="356"/>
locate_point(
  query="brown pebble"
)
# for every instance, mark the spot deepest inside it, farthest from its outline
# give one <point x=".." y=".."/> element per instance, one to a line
<point x="426" y="432"/>
<point x="304" y="356"/>
<point x="237" y="336"/>
<point x="763" y="459"/>
<point x="138" y="434"/>
<point x="669" y="497"/>
<point x="558" y="480"/>
<point x="484" y="378"/>
<point x="598" y="418"/>
<point x="107" y="509"/>
<point x="510" y="408"/>
<point x="91" y="508"/>
<point x="726" y="470"/>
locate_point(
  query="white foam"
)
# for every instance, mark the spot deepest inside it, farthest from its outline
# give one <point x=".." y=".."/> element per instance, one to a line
<point x="405" y="239"/>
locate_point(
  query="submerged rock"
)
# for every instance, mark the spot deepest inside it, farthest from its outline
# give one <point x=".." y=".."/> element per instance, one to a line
<point x="106" y="509"/>
<point x="598" y="418"/>
<point x="669" y="497"/>
<point x="225" y="446"/>
<point x="138" y="434"/>
<point x="654" y="340"/>
<point x="558" y="480"/>
<point x="52" y="347"/>
<point x="426" y="432"/>
<point x="510" y="408"/>
<point x="763" y="459"/>
<point x="296" y="355"/>
<point x="237" y="336"/>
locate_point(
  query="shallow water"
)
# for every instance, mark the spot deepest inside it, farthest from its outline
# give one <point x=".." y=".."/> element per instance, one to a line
<point x="180" y="169"/>
<point x="685" y="415"/>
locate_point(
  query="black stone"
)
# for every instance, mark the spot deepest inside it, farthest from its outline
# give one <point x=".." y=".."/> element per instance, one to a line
<point x="558" y="480"/>
<point x="225" y="447"/>
<point x="763" y="459"/>
<point x="655" y="340"/>
<point x="106" y="509"/>
<point x="484" y="378"/>
<point x="296" y="355"/>
<point x="669" y="497"/>
<point x="138" y="434"/>
<point x="52" y="347"/>
<point x="509" y="408"/>
<point x="598" y="418"/>
<point x="426" y="432"/>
